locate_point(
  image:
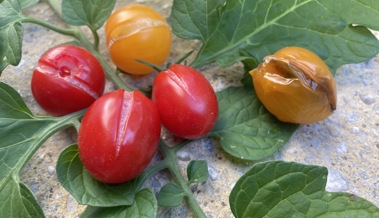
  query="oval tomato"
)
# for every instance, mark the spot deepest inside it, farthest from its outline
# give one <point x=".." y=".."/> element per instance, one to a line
<point x="68" y="78"/>
<point x="137" y="32"/>
<point x="119" y="136"/>
<point x="186" y="101"/>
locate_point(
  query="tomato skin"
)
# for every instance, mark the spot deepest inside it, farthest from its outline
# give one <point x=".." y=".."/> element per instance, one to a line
<point x="68" y="78"/>
<point x="186" y="101"/>
<point x="137" y="32"/>
<point x="119" y="136"/>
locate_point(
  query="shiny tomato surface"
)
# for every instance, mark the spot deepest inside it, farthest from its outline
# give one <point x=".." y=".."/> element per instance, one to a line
<point x="68" y="78"/>
<point x="186" y="101"/>
<point x="137" y="32"/>
<point x="119" y="136"/>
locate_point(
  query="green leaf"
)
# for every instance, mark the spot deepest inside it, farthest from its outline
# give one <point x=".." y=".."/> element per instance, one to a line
<point x="145" y="206"/>
<point x="10" y="33"/>
<point x="245" y="128"/>
<point x="335" y="30"/>
<point x="21" y="135"/>
<point x="279" y="189"/>
<point x="197" y="171"/>
<point x="170" y="195"/>
<point x="87" y="190"/>
<point x="27" y="3"/>
<point x="18" y="201"/>
<point x="92" y="13"/>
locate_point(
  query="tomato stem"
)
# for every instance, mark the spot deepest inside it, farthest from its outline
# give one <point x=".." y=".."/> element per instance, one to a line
<point x="163" y="164"/>
<point x="154" y="66"/>
<point x="68" y="32"/>
<point x="169" y="154"/>
<point x="180" y="145"/>
<point x="95" y="38"/>
<point x="74" y="117"/>
<point x="109" y="71"/>
<point x="184" y="57"/>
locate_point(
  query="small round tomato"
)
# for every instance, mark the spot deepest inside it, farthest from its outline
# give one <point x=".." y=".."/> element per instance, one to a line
<point x="186" y="101"/>
<point x="137" y="32"/>
<point x="68" y="78"/>
<point x="119" y="136"/>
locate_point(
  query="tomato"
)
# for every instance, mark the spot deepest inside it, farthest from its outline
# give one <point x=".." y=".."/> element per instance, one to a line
<point x="137" y="32"/>
<point x="186" y="101"/>
<point x="68" y="78"/>
<point x="119" y="136"/>
<point x="295" y="85"/>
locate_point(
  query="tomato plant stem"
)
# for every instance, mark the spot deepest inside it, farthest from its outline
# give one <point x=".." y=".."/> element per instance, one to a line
<point x="68" y="32"/>
<point x="109" y="71"/>
<point x="96" y="38"/>
<point x="163" y="164"/>
<point x="170" y="155"/>
<point x="60" y="123"/>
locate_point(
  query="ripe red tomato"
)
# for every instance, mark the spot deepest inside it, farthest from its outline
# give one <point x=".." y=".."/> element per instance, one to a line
<point x="68" y="78"/>
<point x="137" y="32"/>
<point x="186" y="101"/>
<point x="119" y="136"/>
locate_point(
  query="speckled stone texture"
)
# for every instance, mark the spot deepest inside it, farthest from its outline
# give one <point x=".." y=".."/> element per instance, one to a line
<point x="346" y="143"/>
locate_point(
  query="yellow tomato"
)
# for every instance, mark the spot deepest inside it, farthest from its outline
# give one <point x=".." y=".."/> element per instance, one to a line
<point x="137" y="32"/>
<point x="296" y="86"/>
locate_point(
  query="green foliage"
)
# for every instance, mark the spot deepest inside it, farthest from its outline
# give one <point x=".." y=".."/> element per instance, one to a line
<point x="145" y="206"/>
<point x="10" y="33"/>
<point x="170" y="195"/>
<point x="286" y="189"/>
<point x="87" y="190"/>
<point x="21" y="135"/>
<point x="92" y="13"/>
<point x="245" y="128"/>
<point x="230" y="31"/>
<point x="197" y="171"/>
<point x="233" y="30"/>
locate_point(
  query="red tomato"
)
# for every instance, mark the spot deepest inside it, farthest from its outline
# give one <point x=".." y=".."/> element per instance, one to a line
<point x="119" y="136"/>
<point x="68" y="78"/>
<point x="137" y="32"/>
<point x="186" y="101"/>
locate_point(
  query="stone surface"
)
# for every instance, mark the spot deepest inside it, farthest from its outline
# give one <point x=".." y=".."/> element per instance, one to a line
<point x="346" y="143"/>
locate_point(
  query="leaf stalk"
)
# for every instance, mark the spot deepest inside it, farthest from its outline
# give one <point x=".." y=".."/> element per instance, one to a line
<point x="170" y="155"/>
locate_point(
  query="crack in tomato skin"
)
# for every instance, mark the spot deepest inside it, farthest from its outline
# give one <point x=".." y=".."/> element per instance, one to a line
<point x="186" y="101"/>
<point x="126" y="110"/>
<point x="68" y="70"/>
<point x="67" y="78"/>
<point x="181" y="83"/>
<point x="119" y="136"/>
<point x="128" y="29"/>
<point x="137" y="32"/>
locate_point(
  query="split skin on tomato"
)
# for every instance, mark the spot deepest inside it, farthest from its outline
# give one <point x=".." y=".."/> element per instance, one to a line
<point x="119" y="136"/>
<point x="186" y="101"/>
<point x="68" y="78"/>
<point x="137" y="32"/>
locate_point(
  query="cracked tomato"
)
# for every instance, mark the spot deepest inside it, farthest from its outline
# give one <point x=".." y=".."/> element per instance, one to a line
<point x="137" y="32"/>
<point x="68" y="78"/>
<point x="186" y="101"/>
<point x="119" y="136"/>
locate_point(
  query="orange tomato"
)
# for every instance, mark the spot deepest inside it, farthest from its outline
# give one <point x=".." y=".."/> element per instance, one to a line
<point x="137" y="32"/>
<point x="296" y="86"/>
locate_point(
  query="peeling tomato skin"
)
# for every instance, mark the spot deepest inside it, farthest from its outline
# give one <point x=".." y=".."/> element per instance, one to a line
<point x="68" y="78"/>
<point x="296" y="86"/>
<point x="186" y="101"/>
<point x="119" y="136"/>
